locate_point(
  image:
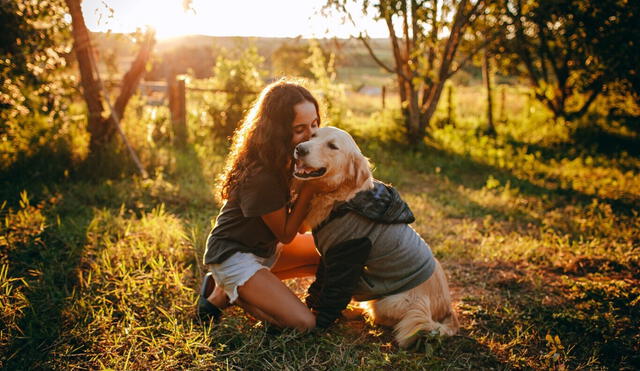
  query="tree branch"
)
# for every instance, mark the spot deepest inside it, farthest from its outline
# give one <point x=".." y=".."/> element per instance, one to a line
<point x="377" y="60"/>
<point x="452" y="42"/>
<point x="471" y="54"/>
<point x="594" y="94"/>
<point x="133" y="76"/>
<point x="400" y="61"/>
<point x="521" y="46"/>
<point x="405" y="30"/>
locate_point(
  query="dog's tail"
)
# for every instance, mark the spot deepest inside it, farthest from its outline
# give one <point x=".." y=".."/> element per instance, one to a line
<point x="418" y="318"/>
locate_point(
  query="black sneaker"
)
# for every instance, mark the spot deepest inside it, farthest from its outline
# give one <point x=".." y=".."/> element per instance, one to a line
<point x="206" y="311"/>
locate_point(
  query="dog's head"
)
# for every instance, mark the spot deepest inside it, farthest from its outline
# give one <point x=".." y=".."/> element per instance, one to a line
<point x="332" y="158"/>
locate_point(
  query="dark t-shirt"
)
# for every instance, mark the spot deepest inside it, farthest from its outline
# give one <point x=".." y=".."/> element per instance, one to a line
<point x="239" y="226"/>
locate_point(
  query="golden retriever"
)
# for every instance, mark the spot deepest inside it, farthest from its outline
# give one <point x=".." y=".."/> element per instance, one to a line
<point x="332" y="158"/>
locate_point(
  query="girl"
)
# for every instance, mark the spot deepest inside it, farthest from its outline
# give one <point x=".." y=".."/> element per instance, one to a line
<point x="254" y="243"/>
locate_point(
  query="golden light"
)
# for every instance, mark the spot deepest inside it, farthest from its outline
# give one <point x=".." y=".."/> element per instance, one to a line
<point x="168" y="18"/>
<point x="274" y="18"/>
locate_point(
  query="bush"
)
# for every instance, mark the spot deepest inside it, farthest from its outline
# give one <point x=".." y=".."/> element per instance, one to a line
<point x="331" y="94"/>
<point x="241" y="79"/>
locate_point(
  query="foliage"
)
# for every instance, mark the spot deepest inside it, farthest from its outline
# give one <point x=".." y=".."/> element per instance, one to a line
<point x="423" y="58"/>
<point x="609" y="26"/>
<point x="239" y="75"/>
<point x="291" y="60"/>
<point x="35" y="92"/>
<point x="565" y="49"/>
<point x="324" y="75"/>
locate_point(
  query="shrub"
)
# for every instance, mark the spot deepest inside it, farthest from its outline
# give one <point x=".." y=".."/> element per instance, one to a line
<point x="241" y="79"/>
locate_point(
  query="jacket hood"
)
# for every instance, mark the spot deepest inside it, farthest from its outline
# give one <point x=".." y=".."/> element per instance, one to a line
<point x="382" y="203"/>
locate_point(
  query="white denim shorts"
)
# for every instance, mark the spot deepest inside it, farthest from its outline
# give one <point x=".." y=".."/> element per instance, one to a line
<point x="236" y="270"/>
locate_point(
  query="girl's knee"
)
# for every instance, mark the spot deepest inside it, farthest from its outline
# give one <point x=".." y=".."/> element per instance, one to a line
<point x="303" y="321"/>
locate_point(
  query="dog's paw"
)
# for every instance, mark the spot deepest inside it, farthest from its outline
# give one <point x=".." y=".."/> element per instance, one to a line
<point x="352" y="314"/>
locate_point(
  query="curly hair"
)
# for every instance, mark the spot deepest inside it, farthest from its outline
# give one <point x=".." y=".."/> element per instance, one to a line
<point x="265" y="137"/>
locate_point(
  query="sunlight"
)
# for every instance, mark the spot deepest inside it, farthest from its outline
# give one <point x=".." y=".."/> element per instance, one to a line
<point x="277" y="18"/>
<point x="168" y="18"/>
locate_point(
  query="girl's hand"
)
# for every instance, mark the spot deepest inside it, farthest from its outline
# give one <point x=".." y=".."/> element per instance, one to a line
<point x="296" y="185"/>
<point x="310" y="187"/>
<point x="304" y="228"/>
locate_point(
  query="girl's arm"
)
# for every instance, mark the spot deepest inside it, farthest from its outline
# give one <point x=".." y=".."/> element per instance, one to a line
<point x="285" y="226"/>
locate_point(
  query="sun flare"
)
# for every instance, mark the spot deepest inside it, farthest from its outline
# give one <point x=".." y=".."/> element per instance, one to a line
<point x="276" y="18"/>
<point x="169" y="19"/>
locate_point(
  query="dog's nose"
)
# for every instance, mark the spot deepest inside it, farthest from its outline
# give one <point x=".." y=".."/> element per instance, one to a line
<point x="301" y="150"/>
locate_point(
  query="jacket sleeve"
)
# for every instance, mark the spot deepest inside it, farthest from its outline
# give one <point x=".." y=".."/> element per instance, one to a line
<point x="315" y="289"/>
<point x="343" y="265"/>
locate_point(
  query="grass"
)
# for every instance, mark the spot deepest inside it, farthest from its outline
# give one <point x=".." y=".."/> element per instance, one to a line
<point x="536" y="228"/>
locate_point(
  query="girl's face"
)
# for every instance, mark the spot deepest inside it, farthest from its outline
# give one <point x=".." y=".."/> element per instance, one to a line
<point x="305" y="123"/>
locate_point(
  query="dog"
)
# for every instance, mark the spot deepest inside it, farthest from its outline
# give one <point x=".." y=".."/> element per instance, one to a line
<point x="368" y="251"/>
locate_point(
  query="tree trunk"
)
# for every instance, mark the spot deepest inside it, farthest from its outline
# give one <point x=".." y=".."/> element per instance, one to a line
<point x="129" y="85"/>
<point x="419" y="99"/>
<point x="414" y="135"/>
<point x="431" y="104"/>
<point x="132" y="78"/>
<point x="102" y="128"/>
<point x="88" y="80"/>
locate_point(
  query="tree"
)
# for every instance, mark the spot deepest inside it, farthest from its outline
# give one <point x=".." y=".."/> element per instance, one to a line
<point x="426" y="38"/>
<point x="34" y="90"/>
<point x="102" y="126"/>
<point x="611" y="28"/>
<point x="569" y="50"/>
<point x="291" y="60"/>
<point x="32" y="46"/>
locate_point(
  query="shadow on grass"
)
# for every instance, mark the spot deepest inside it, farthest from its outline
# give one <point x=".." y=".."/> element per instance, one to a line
<point x="52" y="263"/>
<point x="589" y="140"/>
<point x="464" y="352"/>
<point x="198" y="206"/>
<point x="467" y="172"/>
<point x="48" y="167"/>
<point x="49" y="265"/>
<point x="518" y="307"/>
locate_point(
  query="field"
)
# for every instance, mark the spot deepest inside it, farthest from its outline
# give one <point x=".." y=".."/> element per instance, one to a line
<point x="537" y="229"/>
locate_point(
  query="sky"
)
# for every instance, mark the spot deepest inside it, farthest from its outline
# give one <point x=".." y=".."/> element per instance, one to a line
<point x="266" y="18"/>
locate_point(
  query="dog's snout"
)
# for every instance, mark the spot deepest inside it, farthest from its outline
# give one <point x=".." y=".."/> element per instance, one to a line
<point x="301" y="150"/>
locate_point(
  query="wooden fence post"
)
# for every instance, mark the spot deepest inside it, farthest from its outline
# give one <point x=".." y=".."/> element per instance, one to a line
<point x="450" y="119"/>
<point x="384" y="94"/>
<point x="486" y="73"/>
<point x="503" y="100"/>
<point x="177" y="105"/>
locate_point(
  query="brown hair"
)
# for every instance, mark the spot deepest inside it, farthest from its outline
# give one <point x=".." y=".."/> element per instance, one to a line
<point x="264" y="138"/>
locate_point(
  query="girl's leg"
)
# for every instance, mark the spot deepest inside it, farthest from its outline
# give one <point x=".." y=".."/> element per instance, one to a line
<point x="299" y="258"/>
<point x="268" y="299"/>
<point x="218" y="298"/>
<point x="257" y="313"/>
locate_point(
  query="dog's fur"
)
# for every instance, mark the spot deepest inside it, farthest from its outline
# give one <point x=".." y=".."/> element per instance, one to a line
<point x="347" y="172"/>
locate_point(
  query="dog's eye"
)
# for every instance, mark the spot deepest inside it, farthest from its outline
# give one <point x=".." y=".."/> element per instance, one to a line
<point x="332" y="146"/>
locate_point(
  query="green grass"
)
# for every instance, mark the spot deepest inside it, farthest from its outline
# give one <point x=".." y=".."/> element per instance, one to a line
<point x="536" y="228"/>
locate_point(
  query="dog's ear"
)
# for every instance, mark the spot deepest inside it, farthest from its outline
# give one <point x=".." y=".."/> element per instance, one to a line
<point x="359" y="170"/>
